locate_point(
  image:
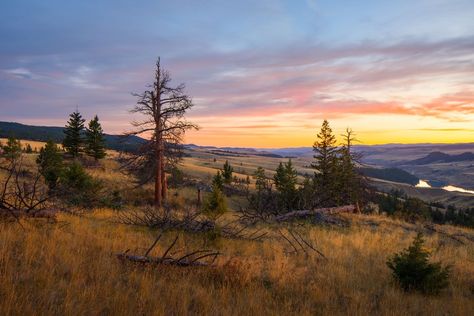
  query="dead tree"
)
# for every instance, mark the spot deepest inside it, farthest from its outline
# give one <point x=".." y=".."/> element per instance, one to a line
<point x="23" y="194"/>
<point x="164" y="108"/>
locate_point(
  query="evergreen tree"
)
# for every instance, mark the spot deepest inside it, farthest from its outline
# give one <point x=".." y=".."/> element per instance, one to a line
<point x="326" y="165"/>
<point x="73" y="134"/>
<point x="50" y="163"/>
<point x="28" y="149"/>
<point x="412" y="269"/>
<point x="261" y="181"/>
<point x="350" y="181"/>
<point x="285" y="182"/>
<point x="77" y="187"/>
<point x="12" y="149"/>
<point x="94" y="142"/>
<point x="264" y="201"/>
<point x="227" y="172"/>
<point x="215" y="204"/>
<point x="306" y="194"/>
<point x="218" y="181"/>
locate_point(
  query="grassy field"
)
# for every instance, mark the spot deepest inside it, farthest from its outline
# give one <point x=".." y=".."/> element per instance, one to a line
<point x="34" y="145"/>
<point x="70" y="267"/>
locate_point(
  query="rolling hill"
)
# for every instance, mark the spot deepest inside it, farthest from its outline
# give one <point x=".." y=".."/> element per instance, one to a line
<point x="45" y="133"/>
<point x="390" y="174"/>
<point x="440" y="157"/>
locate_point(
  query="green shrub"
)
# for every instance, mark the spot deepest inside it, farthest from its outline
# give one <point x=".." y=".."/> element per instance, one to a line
<point x="176" y="178"/>
<point x="28" y="149"/>
<point x="78" y="187"/>
<point x="215" y="204"/>
<point x="12" y="149"/>
<point x="218" y="181"/>
<point x="112" y="199"/>
<point x="227" y="172"/>
<point x="50" y="163"/>
<point x="413" y="271"/>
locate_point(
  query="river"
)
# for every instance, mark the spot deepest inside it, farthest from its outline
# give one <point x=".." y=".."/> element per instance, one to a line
<point x="450" y="188"/>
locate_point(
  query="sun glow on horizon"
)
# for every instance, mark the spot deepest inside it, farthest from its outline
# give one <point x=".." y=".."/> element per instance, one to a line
<point x="282" y="131"/>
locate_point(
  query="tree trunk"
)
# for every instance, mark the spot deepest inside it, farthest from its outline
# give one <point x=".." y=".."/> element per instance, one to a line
<point x="164" y="184"/>
<point x="159" y="145"/>
<point x="158" y="187"/>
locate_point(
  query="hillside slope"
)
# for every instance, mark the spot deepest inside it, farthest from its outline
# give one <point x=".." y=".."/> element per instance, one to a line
<point x="45" y="133"/>
<point x="440" y="157"/>
<point x="71" y="268"/>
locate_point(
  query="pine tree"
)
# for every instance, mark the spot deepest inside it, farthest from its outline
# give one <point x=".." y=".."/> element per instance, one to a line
<point x="73" y="134"/>
<point x="28" y="149"/>
<point x="247" y="180"/>
<point x="218" y="181"/>
<point x="326" y="165"/>
<point x="351" y="182"/>
<point x="306" y="194"/>
<point x="12" y="150"/>
<point x="261" y="181"/>
<point x="227" y="172"/>
<point x="50" y="163"/>
<point x="215" y="204"/>
<point x="285" y="182"/>
<point x="94" y="141"/>
<point x="413" y="270"/>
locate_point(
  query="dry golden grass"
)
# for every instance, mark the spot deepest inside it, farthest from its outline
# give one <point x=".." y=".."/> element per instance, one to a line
<point x="202" y="165"/>
<point x="70" y="268"/>
<point x="34" y="144"/>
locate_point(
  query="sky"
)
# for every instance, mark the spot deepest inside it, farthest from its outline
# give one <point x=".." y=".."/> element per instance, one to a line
<point x="261" y="73"/>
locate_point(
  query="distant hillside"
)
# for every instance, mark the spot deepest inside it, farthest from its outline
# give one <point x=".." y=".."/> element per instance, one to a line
<point x="44" y="133"/>
<point x="233" y="151"/>
<point x="390" y="174"/>
<point x="440" y="157"/>
<point x="292" y="151"/>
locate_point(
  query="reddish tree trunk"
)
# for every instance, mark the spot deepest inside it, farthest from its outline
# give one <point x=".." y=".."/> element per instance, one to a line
<point x="164" y="184"/>
<point x="159" y="146"/>
<point x="158" y="187"/>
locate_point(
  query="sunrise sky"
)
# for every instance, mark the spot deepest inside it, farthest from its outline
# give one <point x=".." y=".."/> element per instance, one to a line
<point x="261" y="73"/>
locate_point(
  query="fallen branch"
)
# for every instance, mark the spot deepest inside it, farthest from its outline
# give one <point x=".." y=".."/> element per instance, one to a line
<point x="194" y="258"/>
<point x="49" y="214"/>
<point x="453" y="237"/>
<point x="298" y="242"/>
<point x="305" y="213"/>
<point x="191" y="221"/>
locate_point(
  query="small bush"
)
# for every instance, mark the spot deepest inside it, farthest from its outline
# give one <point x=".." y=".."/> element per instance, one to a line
<point x="50" y="163"/>
<point x="215" y="204"/>
<point x="138" y="196"/>
<point x="79" y="188"/>
<point x="113" y="200"/>
<point x="176" y="178"/>
<point x="413" y="271"/>
<point x="12" y="149"/>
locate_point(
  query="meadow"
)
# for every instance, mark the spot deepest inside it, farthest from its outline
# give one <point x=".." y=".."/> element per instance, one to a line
<point x="70" y="267"/>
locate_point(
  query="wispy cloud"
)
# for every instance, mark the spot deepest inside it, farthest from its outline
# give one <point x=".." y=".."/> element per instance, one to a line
<point x="265" y="67"/>
<point x="22" y="73"/>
